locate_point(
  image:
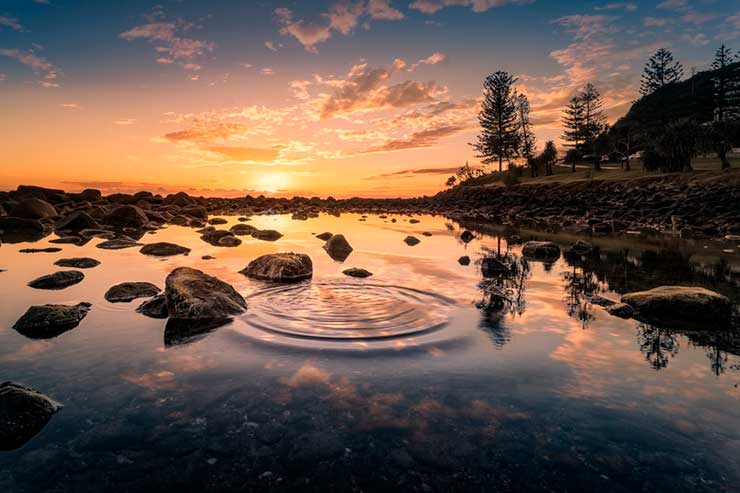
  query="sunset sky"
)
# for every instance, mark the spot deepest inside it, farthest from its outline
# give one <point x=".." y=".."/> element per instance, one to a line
<point x="356" y="97"/>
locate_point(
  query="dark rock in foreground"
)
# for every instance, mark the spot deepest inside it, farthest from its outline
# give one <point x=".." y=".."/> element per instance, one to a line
<point x="579" y="249"/>
<point x="467" y="236"/>
<point x="541" y="250"/>
<point x="357" y="272"/>
<point x="163" y="249"/>
<point x="215" y="237"/>
<point x="193" y="294"/>
<point x="155" y="307"/>
<point x="58" y="280"/>
<point x="464" y="260"/>
<point x="23" y="414"/>
<point x="681" y="306"/>
<point x="18" y="229"/>
<point x="46" y="321"/>
<point x="217" y="220"/>
<point x="129" y="291"/>
<point x="280" y="267"/>
<point x="338" y="248"/>
<point x="33" y="209"/>
<point x="78" y="262"/>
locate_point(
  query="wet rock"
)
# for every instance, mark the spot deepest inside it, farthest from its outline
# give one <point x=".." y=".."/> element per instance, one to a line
<point x="208" y="257"/>
<point x="493" y="267"/>
<point x="467" y="236"/>
<point x="242" y="219"/>
<point x="163" y="249"/>
<point x="541" y="250"/>
<point x="117" y="244"/>
<point x="267" y="235"/>
<point x="601" y="301"/>
<point x="213" y="237"/>
<point x="155" y="307"/>
<point x="579" y="249"/>
<point x="414" y="221"/>
<point x="464" y="260"/>
<point x="129" y="291"/>
<point x="78" y="262"/>
<point x="178" y="332"/>
<point x="33" y="209"/>
<point x="40" y="250"/>
<point x="229" y="241"/>
<point x="357" y="272"/>
<point x="23" y="414"/>
<point x="196" y="211"/>
<point x="299" y="216"/>
<point x="193" y="294"/>
<point x="18" y="229"/>
<point x="67" y="240"/>
<point x="426" y="233"/>
<point x="47" y="321"/>
<point x="338" y="248"/>
<point x="217" y="220"/>
<point x="681" y="306"/>
<point x="411" y="240"/>
<point x="58" y="280"/>
<point x="180" y="198"/>
<point x="77" y="221"/>
<point x="621" y="310"/>
<point x="280" y="267"/>
<point x="126" y="216"/>
<point x="324" y="236"/>
<point x="97" y="233"/>
<point x="242" y="229"/>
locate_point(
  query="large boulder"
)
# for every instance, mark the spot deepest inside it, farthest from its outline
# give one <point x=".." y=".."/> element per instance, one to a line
<point x="18" y="230"/>
<point x="281" y="267"/>
<point x="682" y="307"/>
<point x="58" y="280"/>
<point x="541" y="250"/>
<point x="338" y="248"/>
<point x="129" y="291"/>
<point x="192" y="294"/>
<point x="196" y="211"/>
<point x="126" y="216"/>
<point x="163" y="249"/>
<point x="23" y="413"/>
<point x="33" y="209"/>
<point x="46" y="321"/>
<point x="77" y="221"/>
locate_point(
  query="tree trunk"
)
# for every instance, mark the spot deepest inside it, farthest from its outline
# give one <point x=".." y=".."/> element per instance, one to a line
<point x="722" y="154"/>
<point x="500" y="164"/>
<point x="627" y="164"/>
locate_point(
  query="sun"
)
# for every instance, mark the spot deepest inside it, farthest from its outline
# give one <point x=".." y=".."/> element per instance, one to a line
<point x="272" y="182"/>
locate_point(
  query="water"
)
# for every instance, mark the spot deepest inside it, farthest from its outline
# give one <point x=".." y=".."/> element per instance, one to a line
<point x="397" y="381"/>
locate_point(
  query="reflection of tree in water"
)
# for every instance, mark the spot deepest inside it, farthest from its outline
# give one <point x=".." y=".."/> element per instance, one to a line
<point x="494" y="323"/>
<point x="580" y="284"/>
<point x="658" y="345"/>
<point x="717" y="359"/>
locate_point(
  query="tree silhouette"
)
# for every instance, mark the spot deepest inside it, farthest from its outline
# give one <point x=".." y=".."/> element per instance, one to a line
<point x="594" y="119"/>
<point x="660" y="70"/>
<point x="499" y="137"/>
<point x="572" y="120"/>
<point x="527" y="137"/>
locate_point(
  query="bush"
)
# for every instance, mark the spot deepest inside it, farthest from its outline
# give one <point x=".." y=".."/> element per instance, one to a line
<point x="673" y="148"/>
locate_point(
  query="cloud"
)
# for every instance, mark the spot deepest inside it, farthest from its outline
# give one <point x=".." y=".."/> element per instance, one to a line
<point x="267" y="71"/>
<point x="11" y="23"/>
<point x="382" y="10"/>
<point x="432" y="6"/>
<point x="171" y="46"/>
<point x="37" y="63"/>
<point x="418" y="139"/>
<point x="71" y="106"/>
<point x="698" y="39"/>
<point x="270" y="46"/>
<point x="585" y="26"/>
<point x="694" y="17"/>
<point x="125" y="121"/>
<point x="409" y="173"/>
<point x="673" y="4"/>
<point x="3" y="77"/>
<point x="235" y="153"/>
<point x="432" y="59"/>
<point x="628" y="6"/>
<point x="655" y="21"/>
<point x="207" y="132"/>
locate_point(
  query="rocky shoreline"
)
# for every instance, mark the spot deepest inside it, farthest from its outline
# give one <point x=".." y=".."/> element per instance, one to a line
<point x="682" y="205"/>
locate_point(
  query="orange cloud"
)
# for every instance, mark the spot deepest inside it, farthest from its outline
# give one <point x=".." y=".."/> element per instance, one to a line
<point x="255" y="154"/>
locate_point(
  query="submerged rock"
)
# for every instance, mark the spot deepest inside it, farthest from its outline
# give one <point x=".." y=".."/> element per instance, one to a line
<point x="193" y="294"/>
<point x="46" y="321"/>
<point x="242" y="229"/>
<point x="78" y="262"/>
<point x="411" y="240"/>
<point x="118" y="244"/>
<point x="281" y="267"/>
<point x="357" y="272"/>
<point x="683" y="306"/>
<point x="338" y="248"/>
<point x="579" y="249"/>
<point x="33" y="209"/>
<point x="178" y="332"/>
<point x="324" y="236"/>
<point x="155" y="307"/>
<point x="58" y="280"/>
<point x="23" y="413"/>
<point x="267" y="235"/>
<point x="541" y="250"/>
<point x="163" y="249"/>
<point x="129" y="291"/>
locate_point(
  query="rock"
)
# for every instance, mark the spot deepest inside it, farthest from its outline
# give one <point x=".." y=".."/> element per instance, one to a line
<point x="464" y="260"/>
<point x="356" y="272"/>
<point x="33" y="209"/>
<point x="467" y="236"/>
<point x="213" y="237"/>
<point x="426" y="233"/>
<point x="163" y="249"/>
<point x="411" y="240"/>
<point x="67" y="240"/>
<point x="601" y="301"/>
<point x="117" y="244"/>
<point x="683" y="306"/>
<point x="18" y="229"/>
<point x="208" y="257"/>
<point x="23" y="414"/>
<point x="155" y="307"/>
<point x="324" y="236"/>
<point x="414" y="221"/>
<point x="128" y="291"/>
<point x="178" y="332"/>
<point x="40" y="250"/>
<point x="541" y="250"/>
<point x="267" y="235"/>
<point x="493" y="267"/>
<point x="78" y="262"/>
<point x="217" y="220"/>
<point x="77" y="221"/>
<point x="126" y="216"/>
<point x="195" y="211"/>
<point x="338" y="248"/>
<point x="299" y="216"/>
<point x="229" y="241"/>
<point x="46" y="321"/>
<point x="192" y="294"/>
<point x="281" y="267"/>
<point x="58" y="280"/>
<point x="580" y="249"/>
<point x="621" y="310"/>
<point x="242" y="229"/>
<point x="242" y="219"/>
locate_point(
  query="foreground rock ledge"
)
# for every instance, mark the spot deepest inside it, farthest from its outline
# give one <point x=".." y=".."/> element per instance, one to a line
<point x="46" y="321"/>
<point x="192" y="294"/>
<point x="23" y="413"/>
<point x="280" y="267"/>
<point x="685" y="307"/>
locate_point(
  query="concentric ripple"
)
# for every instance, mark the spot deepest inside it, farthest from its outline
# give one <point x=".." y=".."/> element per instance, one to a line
<point x="347" y="312"/>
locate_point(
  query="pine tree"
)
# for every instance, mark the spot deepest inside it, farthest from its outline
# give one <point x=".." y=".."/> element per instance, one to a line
<point x="572" y="120"/>
<point x="499" y="137"/>
<point x="526" y="136"/>
<point x="659" y="71"/>
<point x="726" y="85"/>
<point x="594" y="119"/>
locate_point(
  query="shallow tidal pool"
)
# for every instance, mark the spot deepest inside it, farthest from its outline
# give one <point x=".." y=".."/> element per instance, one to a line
<point x="402" y="380"/>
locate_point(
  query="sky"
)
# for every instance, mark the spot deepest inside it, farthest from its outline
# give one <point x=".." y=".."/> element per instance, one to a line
<point x="373" y="98"/>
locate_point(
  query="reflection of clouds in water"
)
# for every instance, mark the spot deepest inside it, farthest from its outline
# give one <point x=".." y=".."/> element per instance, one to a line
<point x="27" y="351"/>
